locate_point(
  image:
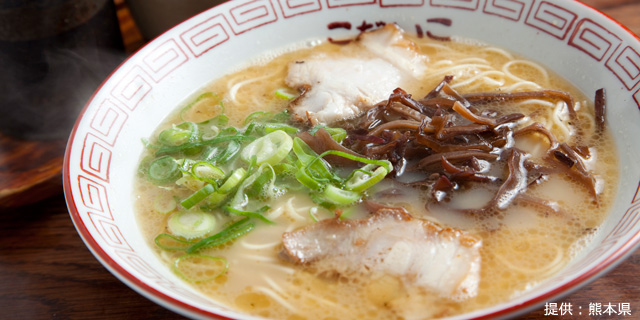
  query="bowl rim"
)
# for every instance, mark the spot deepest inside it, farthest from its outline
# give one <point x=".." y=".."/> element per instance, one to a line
<point x="610" y="261"/>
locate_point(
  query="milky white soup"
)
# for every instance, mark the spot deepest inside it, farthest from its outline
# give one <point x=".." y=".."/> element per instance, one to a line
<point x="520" y="241"/>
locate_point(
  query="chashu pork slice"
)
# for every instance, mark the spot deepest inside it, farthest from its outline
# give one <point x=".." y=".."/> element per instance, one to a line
<point x="390" y="43"/>
<point x="335" y="89"/>
<point x="390" y="242"/>
<point x="340" y="87"/>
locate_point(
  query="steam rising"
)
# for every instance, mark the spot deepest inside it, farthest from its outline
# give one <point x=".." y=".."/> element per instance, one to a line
<point x="47" y="79"/>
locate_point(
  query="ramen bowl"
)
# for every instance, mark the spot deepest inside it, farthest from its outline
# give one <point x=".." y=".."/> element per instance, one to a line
<point x="587" y="48"/>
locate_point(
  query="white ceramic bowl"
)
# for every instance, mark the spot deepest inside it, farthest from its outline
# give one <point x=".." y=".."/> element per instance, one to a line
<point x="576" y="41"/>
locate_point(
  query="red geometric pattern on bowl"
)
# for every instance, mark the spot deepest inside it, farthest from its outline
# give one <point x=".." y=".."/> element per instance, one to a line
<point x="346" y="3"/>
<point x="509" y="9"/>
<point x="93" y="195"/>
<point x="626" y="66"/>
<point x="135" y="85"/>
<point x="551" y="18"/>
<point x="166" y="57"/>
<point x="109" y="232"/>
<point x="206" y="35"/>
<point x="292" y="8"/>
<point x="208" y="31"/>
<point x="629" y="220"/>
<point x="108" y="121"/>
<point x="457" y="4"/>
<point x="252" y="14"/>
<point x="594" y="39"/>
<point x="401" y="3"/>
<point x="96" y="157"/>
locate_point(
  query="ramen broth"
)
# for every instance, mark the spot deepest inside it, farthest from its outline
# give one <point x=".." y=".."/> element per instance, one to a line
<point x="521" y="246"/>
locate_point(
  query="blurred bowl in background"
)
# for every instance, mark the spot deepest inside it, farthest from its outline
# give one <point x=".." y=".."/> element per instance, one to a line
<point x="154" y="17"/>
<point x="53" y="55"/>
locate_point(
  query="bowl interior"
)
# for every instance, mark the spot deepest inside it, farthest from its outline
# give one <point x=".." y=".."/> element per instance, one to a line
<point x="587" y="48"/>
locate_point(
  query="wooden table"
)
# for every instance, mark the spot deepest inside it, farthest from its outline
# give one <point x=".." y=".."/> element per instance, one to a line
<point x="46" y="272"/>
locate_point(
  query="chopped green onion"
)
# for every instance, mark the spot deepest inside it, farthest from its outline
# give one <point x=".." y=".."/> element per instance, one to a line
<point x="252" y="214"/>
<point x="191" y="224"/>
<point x="230" y="131"/>
<point x="264" y="185"/>
<point x="211" y="153"/>
<point x="383" y="163"/>
<point x="190" y="182"/>
<point x="257" y="116"/>
<point x="240" y="199"/>
<point x="216" y="140"/>
<point x="230" y="233"/>
<point x="198" y="268"/>
<point x="220" y="120"/>
<point x="249" y="129"/>
<point x="281" y="117"/>
<point x="232" y="181"/>
<point x="270" y="149"/>
<point x="262" y="178"/>
<point x="268" y="117"/>
<point x="339" y="196"/>
<point x="259" y="184"/>
<point x="211" y="133"/>
<point x="320" y="199"/>
<point x="345" y="214"/>
<point x="163" y="170"/>
<point x="206" y="171"/>
<point x="185" y="164"/>
<point x="284" y="169"/>
<point x="198" y="196"/>
<point x="302" y="150"/>
<point x="231" y="151"/>
<point x="309" y="161"/>
<point x="271" y="127"/>
<point x="186" y="132"/>
<point x="285" y="93"/>
<point x="216" y="198"/>
<point x="338" y="134"/>
<point x="169" y="242"/>
<point x="312" y="213"/>
<point x="206" y="95"/>
<point x="143" y="166"/>
<point x="320" y="170"/>
<point x="148" y="144"/>
<point x="362" y="179"/>
<point x="313" y="171"/>
<point x="163" y="204"/>
<point x="307" y="180"/>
